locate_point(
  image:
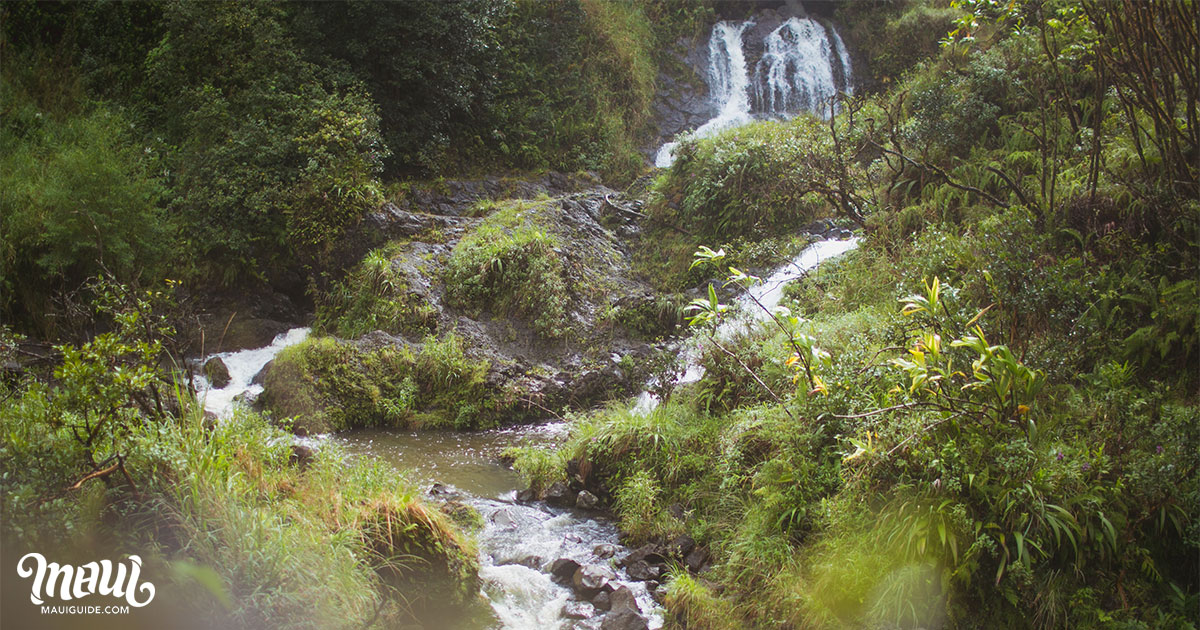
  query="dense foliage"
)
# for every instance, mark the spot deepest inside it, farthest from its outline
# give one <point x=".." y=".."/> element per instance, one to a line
<point x="1003" y="433"/>
<point x="983" y="417"/>
<point x="248" y="137"/>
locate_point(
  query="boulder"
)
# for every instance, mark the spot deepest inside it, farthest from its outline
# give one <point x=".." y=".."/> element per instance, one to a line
<point x="624" y="620"/>
<point x="602" y="601"/>
<point x="642" y="571"/>
<point x="681" y="546"/>
<point x="591" y="579"/>
<point x="261" y="375"/>
<point x="623" y="600"/>
<point x="216" y="372"/>
<point x="650" y="553"/>
<point x="586" y="500"/>
<point x="563" y="569"/>
<point x="559" y="494"/>
<point x="697" y="560"/>
<point x="302" y="455"/>
<point x="578" y="610"/>
<point x="605" y="550"/>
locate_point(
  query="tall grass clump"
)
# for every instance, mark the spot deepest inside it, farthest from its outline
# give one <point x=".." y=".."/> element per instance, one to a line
<point x="374" y="296"/>
<point x="510" y="265"/>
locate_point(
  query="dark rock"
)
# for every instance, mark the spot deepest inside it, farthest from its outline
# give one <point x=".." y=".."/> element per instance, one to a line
<point x="642" y="571"/>
<point x="216" y="372"/>
<point x="591" y="579"/>
<point x="697" y="560"/>
<point x="302" y="456"/>
<point x="676" y="511"/>
<point x="559" y="494"/>
<point x="563" y="569"/>
<point x="586" y="500"/>
<point x="247" y="333"/>
<point x="261" y="375"/>
<point x="578" y="610"/>
<point x="650" y="553"/>
<point x="624" y="620"/>
<point x="623" y="600"/>
<point x="526" y="495"/>
<point x="681" y="546"/>
<point x="602" y="601"/>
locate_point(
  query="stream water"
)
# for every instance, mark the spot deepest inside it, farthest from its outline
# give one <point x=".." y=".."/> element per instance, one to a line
<point x="519" y="540"/>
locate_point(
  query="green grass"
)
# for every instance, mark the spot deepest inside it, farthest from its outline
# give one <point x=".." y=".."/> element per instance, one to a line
<point x="510" y="266"/>
<point x="374" y="296"/>
<point x="231" y="528"/>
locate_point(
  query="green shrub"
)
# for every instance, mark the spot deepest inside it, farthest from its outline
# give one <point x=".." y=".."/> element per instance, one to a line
<point x="374" y="296"/>
<point x="269" y="157"/>
<point x="510" y="265"/>
<point x="78" y="197"/>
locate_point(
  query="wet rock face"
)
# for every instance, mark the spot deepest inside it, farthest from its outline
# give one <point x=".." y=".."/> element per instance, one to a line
<point x="533" y="372"/>
<point x="455" y="197"/>
<point x="682" y="102"/>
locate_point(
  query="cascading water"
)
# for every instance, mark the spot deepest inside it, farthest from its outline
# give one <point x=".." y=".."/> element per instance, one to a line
<point x="768" y="293"/>
<point x="519" y="541"/>
<point x="804" y="65"/>
<point x="243" y="366"/>
<point x="798" y="70"/>
<point x="728" y="84"/>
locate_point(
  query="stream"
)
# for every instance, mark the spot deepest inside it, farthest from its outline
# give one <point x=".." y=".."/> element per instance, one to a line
<point x="804" y="65"/>
<point x="520" y="541"/>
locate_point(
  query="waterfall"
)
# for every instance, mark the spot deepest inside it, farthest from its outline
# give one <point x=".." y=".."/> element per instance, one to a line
<point x="728" y="84"/>
<point x="803" y="66"/>
<point x="797" y="71"/>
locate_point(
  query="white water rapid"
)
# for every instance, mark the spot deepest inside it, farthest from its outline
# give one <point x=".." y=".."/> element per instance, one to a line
<point x="243" y="366"/>
<point x="769" y="292"/>
<point x="804" y="65"/>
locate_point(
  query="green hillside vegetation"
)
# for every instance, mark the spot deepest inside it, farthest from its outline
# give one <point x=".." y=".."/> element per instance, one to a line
<point x="988" y="414"/>
<point x="984" y="416"/>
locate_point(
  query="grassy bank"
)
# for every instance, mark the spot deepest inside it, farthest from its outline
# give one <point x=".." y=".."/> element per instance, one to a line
<point x="234" y="524"/>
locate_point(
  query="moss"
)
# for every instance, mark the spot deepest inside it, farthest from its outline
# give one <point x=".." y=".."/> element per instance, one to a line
<point x="324" y="385"/>
<point x="418" y="552"/>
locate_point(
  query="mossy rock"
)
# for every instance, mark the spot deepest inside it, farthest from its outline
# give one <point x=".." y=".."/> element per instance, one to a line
<point x="325" y="385"/>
